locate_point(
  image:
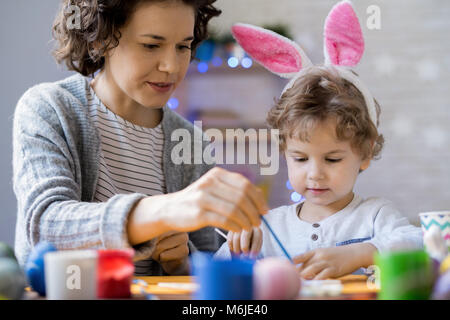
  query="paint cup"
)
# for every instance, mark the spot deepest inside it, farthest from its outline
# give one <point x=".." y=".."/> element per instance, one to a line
<point x="440" y="219"/>
<point x="115" y="273"/>
<point x="222" y="279"/>
<point x="71" y="275"/>
<point x="405" y="275"/>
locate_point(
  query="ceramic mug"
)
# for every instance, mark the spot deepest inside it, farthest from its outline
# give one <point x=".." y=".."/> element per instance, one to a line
<point x="440" y="219"/>
<point x="71" y="275"/>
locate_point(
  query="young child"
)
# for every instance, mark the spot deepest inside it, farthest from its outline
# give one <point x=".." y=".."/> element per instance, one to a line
<point x="92" y="152"/>
<point x="327" y="122"/>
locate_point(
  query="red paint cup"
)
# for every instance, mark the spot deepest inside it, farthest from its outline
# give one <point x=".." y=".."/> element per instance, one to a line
<point x="115" y="273"/>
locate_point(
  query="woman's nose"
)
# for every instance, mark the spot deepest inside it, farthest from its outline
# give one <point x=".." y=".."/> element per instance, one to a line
<point x="169" y="62"/>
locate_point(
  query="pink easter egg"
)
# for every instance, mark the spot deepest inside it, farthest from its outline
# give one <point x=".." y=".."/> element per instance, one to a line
<point x="275" y="279"/>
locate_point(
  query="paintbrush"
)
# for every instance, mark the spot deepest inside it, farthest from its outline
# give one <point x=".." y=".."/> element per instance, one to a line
<point x="276" y="239"/>
<point x="273" y="235"/>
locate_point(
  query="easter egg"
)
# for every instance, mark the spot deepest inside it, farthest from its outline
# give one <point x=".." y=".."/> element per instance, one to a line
<point x="12" y="279"/>
<point x="6" y="251"/>
<point x="445" y="264"/>
<point x="275" y="279"/>
<point x="441" y="290"/>
<point x="435" y="264"/>
<point x="34" y="267"/>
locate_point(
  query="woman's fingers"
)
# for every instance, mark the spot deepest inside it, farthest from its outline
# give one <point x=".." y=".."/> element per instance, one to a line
<point x="239" y="199"/>
<point x="169" y="241"/>
<point x="248" y="196"/>
<point x="211" y="218"/>
<point x="220" y="199"/>
<point x="176" y="253"/>
<point x="226" y="208"/>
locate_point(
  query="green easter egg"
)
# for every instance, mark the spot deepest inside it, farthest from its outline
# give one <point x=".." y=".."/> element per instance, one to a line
<point x="6" y="251"/>
<point x="12" y="279"/>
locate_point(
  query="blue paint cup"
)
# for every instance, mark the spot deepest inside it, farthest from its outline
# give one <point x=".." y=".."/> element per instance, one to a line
<point x="222" y="279"/>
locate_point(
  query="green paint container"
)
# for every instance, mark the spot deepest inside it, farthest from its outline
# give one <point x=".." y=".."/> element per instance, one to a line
<point x="405" y="275"/>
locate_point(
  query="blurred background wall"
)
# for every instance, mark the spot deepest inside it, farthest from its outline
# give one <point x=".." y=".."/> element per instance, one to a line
<point x="406" y="65"/>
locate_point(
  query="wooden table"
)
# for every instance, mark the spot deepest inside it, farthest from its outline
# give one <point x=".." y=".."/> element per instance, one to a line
<point x="353" y="287"/>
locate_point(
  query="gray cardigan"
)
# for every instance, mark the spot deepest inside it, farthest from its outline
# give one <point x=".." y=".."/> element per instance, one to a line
<point x="55" y="169"/>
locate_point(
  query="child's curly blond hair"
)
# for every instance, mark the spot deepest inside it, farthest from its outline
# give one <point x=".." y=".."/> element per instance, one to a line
<point x="322" y="94"/>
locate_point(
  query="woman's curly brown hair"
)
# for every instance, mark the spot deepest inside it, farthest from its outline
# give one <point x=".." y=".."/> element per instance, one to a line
<point x="322" y="94"/>
<point x="101" y="21"/>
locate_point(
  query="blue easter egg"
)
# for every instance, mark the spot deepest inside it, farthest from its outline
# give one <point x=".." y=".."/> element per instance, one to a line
<point x="34" y="268"/>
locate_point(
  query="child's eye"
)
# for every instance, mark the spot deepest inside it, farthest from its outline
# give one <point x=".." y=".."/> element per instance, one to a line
<point x="333" y="160"/>
<point x="300" y="159"/>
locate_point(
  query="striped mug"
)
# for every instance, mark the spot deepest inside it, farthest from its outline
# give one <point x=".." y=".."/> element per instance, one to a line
<point x="440" y="219"/>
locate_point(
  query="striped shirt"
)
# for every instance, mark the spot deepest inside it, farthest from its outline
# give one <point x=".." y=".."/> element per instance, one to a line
<point x="131" y="159"/>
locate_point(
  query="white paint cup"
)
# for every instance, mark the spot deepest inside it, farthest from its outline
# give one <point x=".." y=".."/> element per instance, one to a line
<point x="71" y="275"/>
<point x="440" y="219"/>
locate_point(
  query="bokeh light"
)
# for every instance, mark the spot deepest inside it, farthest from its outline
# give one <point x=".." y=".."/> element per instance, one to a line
<point x="233" y="62"/>
<point x="173" y="103"/>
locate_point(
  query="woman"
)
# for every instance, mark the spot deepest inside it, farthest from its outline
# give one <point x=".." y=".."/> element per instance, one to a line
<point x="92" y="166"/>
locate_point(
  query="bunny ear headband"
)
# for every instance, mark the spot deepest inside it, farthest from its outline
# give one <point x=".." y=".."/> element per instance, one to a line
<point x="343" y="48"/>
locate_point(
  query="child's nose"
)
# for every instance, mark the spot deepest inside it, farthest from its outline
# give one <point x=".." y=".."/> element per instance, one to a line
<point x="315" y="171"/>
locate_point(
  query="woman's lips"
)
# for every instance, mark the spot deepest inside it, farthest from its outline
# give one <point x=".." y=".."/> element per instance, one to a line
<point x="162" y="87"/>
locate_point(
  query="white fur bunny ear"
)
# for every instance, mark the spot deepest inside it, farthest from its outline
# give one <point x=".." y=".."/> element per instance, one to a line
<point x="343" y="38"/>
<point x="276" y="53"/>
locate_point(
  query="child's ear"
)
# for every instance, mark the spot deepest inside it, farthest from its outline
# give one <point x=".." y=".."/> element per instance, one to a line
<point x="365" y="164"/>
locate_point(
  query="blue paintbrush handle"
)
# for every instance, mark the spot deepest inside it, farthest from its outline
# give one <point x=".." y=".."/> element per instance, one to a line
<point x="276" y="239"/>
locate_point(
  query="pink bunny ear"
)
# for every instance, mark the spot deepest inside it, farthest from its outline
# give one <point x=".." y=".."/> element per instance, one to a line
<point x="275" y="52"/>
<point x="344" y="42"/>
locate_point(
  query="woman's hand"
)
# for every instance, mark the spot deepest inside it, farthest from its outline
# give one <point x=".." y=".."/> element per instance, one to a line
<point x="323" y="263"/>
<point x="248" y="243"/>
<point x="219" y="198"/>
<point x="172" y="252"/>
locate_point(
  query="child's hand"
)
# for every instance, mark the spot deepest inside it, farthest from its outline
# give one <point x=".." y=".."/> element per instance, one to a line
<point x="323" y="263"/>
<point x="172" y="252"/>
<point x="246" y="242"/>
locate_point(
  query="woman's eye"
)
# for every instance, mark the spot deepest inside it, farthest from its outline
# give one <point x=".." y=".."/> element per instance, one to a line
<point x="184" y="47"/>
<point x="333" y="160"/>
<point x="300" y="159"/>
<point x="151" y="46"/>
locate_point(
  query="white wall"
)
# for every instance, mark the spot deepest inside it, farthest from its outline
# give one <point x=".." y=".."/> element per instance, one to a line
<point x="407" y="67"/>
<point x="414" y="170"/>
